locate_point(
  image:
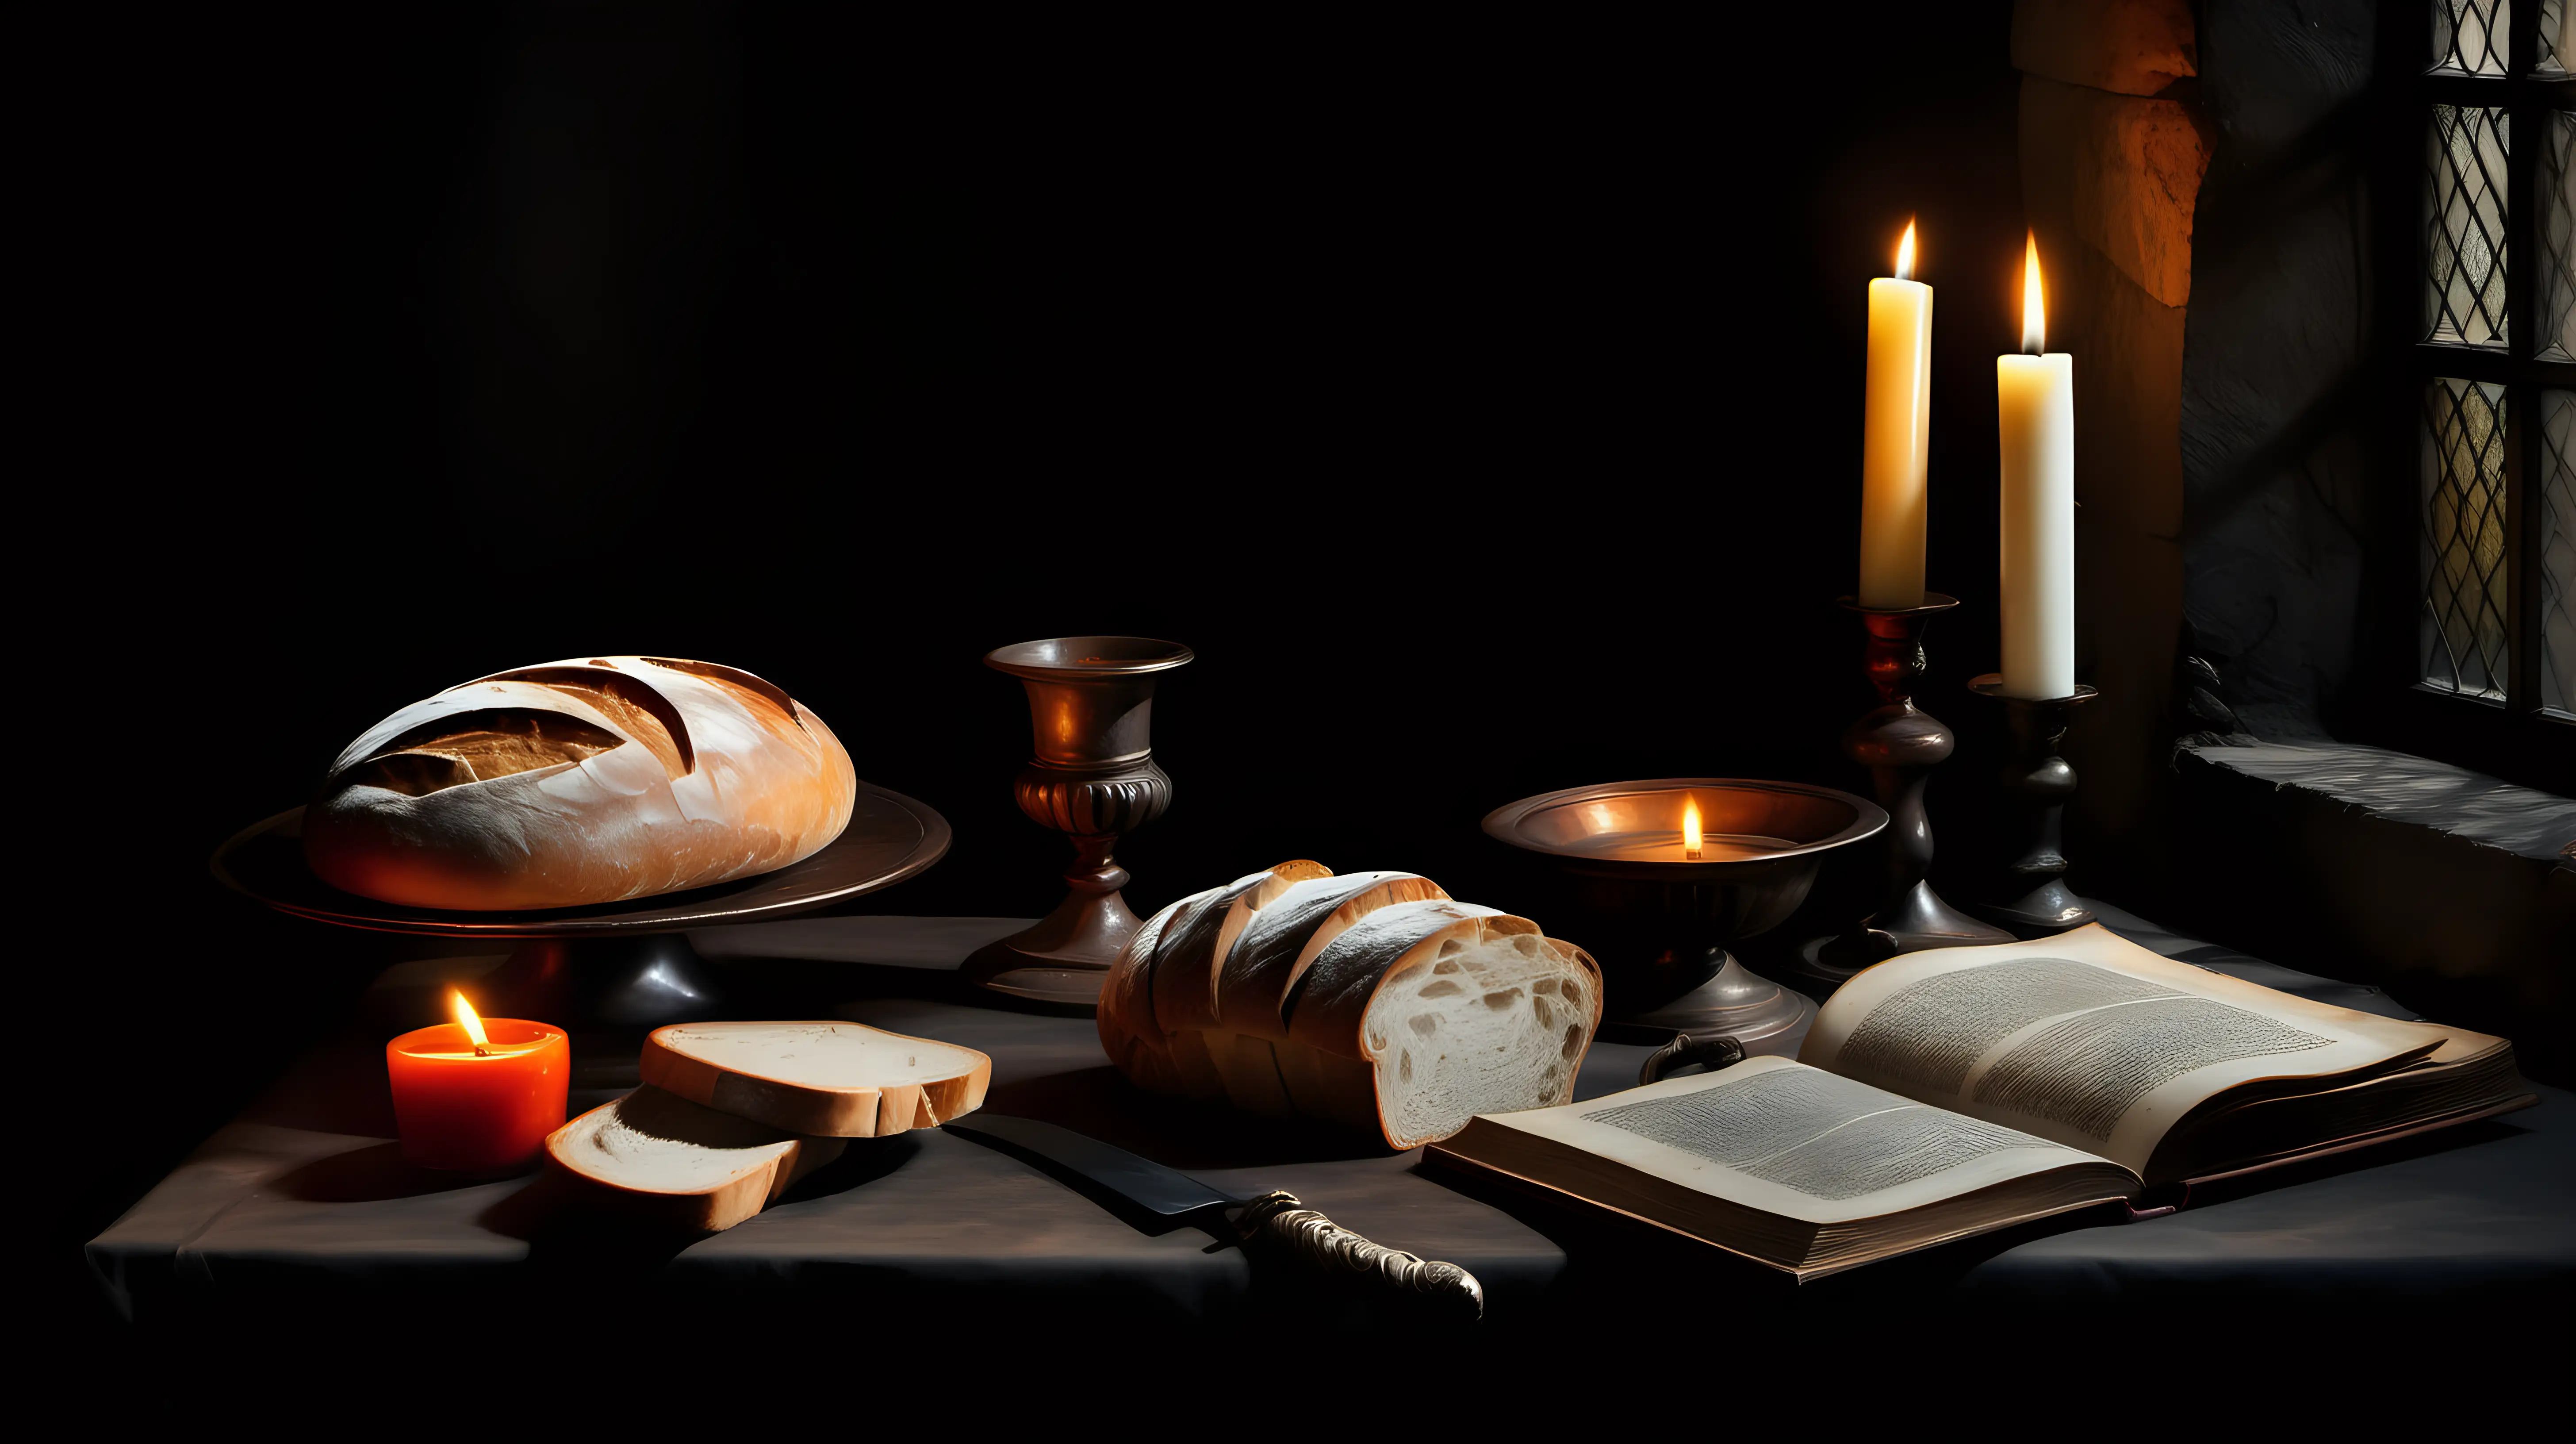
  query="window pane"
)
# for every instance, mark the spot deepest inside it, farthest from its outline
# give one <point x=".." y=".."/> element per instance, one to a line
<point x="2558" y="238"/>
<point x="2558" y="550"/>
<point x="2464" y="225"/>
<point x="2463" y="632"/>
<point x="2471" y="37"/>
<point x="2557" y="37"/>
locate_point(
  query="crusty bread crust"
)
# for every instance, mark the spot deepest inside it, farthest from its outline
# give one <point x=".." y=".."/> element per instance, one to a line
<point x="578" y="783"/>
<point x="921" y="1083"/>
<point x="1270" y="959"/>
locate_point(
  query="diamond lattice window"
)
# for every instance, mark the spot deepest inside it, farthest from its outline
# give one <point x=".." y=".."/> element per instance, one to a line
<point x="2471" y="37"/>
<point x="2465" y="261"/>
<point x="2495" y="356"/>
<point x="2463" y="631"/>
<point x="2558" y="551"/>
<point x="2558" y="238"/>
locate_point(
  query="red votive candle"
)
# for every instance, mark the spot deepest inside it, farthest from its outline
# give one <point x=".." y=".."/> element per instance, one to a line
<point x="478" y="1107"/>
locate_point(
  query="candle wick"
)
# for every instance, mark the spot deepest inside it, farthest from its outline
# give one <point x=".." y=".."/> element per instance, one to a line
<point x="1690" y="854"/>
<point x="481" y="1052"/>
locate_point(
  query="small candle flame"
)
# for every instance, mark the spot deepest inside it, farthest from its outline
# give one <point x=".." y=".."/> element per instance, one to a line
<point x="2034" y="309"/>
<point x="1905" y="254"/>
<point x="467" y="1019"/>
<point x="1690" y="831"/>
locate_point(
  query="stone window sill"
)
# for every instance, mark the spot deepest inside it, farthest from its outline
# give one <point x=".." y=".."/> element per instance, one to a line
<point x="2451" y="889"/>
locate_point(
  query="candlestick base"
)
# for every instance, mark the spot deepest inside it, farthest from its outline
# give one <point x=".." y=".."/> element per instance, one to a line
<point x="1919" y="920"/>
<point x="1900" y="744"/>
<point x="2031" y="896"/>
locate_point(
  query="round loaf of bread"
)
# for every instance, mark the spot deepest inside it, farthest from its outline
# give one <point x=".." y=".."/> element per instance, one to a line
<point x="577" y="783"/>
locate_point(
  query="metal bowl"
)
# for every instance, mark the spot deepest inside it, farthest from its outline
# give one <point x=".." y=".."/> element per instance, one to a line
<point x="1660" y="924"/>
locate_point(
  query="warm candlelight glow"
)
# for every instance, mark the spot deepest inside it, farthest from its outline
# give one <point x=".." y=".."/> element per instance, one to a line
<point x="468" y="1020"/>
<point x="2034" y="311"/>
<point x="1690" y="820"/>
<point x="1905" y="254"/>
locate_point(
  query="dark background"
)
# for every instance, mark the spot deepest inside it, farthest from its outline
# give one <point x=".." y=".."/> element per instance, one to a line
<point x="1486" y="418"/>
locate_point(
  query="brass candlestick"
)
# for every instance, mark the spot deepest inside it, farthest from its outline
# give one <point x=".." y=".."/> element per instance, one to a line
<point x="2032" y="896"/>
<point x="1900" y="744"/>
<point x="1092" y="778"/>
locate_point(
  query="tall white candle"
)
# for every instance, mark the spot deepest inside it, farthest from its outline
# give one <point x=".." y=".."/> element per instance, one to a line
<point x="1896" y="435"/>
<point x="2035" y="414"/>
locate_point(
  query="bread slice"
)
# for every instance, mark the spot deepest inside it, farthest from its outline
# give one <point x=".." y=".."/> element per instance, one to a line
<point x="682" y="1164"/>
<point x="823" y="1079"/>
<point x="1453" y="1009"/>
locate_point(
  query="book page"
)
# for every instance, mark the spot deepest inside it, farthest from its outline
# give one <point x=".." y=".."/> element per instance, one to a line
<point x="1795" y="1141"/>
<point x="2085" y="1039"/>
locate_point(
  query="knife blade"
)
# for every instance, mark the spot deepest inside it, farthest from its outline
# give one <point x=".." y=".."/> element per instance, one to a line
<point x="1276" y="1218"/>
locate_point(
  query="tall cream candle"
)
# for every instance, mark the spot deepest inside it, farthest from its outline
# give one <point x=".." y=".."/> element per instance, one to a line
<point x="1896" y="435"/>
<point x="2035" y="414"/>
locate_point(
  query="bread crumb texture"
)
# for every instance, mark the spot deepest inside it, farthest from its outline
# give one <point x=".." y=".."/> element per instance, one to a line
<point x="1485" y="1027"/>
<point x="654" y="1141"/>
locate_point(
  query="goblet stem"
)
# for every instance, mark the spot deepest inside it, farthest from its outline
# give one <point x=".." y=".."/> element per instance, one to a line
<point x="1093" y="923"/>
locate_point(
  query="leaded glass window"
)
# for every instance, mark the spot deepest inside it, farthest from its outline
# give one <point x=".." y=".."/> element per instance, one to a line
<point x="2558" y="551"/>
<point x="2496" y="355"/>
<point x="2464" y="294"/>
<point x="2557" y="278"/>
<point x="2471" y="37"/>
<point x="2464" y="636"/>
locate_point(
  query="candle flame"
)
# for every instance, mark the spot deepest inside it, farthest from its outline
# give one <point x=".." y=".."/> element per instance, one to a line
<point x="1905" y="254"/>
<point x="1690" y="830"/>
<point x="2034" y="310"/>
<point x="467" y="1019"/>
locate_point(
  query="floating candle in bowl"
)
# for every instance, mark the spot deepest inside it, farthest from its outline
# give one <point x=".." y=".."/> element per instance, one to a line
<point x="1657" y="877"/>
<point x="478" y="1094"/>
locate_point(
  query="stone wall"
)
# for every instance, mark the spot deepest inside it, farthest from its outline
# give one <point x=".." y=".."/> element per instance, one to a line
<point x="2279" y="394"/>
<point x="2113" y="149"/>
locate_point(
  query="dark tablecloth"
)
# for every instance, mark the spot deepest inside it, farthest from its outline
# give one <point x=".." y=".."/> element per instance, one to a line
<point x="300" y="1216"/>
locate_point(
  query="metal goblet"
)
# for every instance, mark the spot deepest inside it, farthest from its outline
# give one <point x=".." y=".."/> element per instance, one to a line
<point x="1092" y="777"/>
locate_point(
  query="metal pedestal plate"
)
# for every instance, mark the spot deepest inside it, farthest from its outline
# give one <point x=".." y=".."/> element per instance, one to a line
<point x="618" y="969"/>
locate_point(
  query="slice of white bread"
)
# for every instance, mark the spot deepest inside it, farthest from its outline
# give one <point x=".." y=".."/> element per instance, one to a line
<point x="1454" y="1009"/>
<point x="824" y="1079"/>
<point x="683" y="1164"/>
<point x="1370" y="1001"/>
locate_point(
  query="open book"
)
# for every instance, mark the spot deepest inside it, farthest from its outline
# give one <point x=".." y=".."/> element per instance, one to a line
<point x="1954" y="1091"/>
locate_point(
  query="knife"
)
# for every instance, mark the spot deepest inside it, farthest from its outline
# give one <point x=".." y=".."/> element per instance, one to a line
<point x="1277" y="1218"/>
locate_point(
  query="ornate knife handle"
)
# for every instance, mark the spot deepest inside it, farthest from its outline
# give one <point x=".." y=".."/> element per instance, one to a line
<point x="1685" y="1050"/>
<point x="1285" y="1220"/>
